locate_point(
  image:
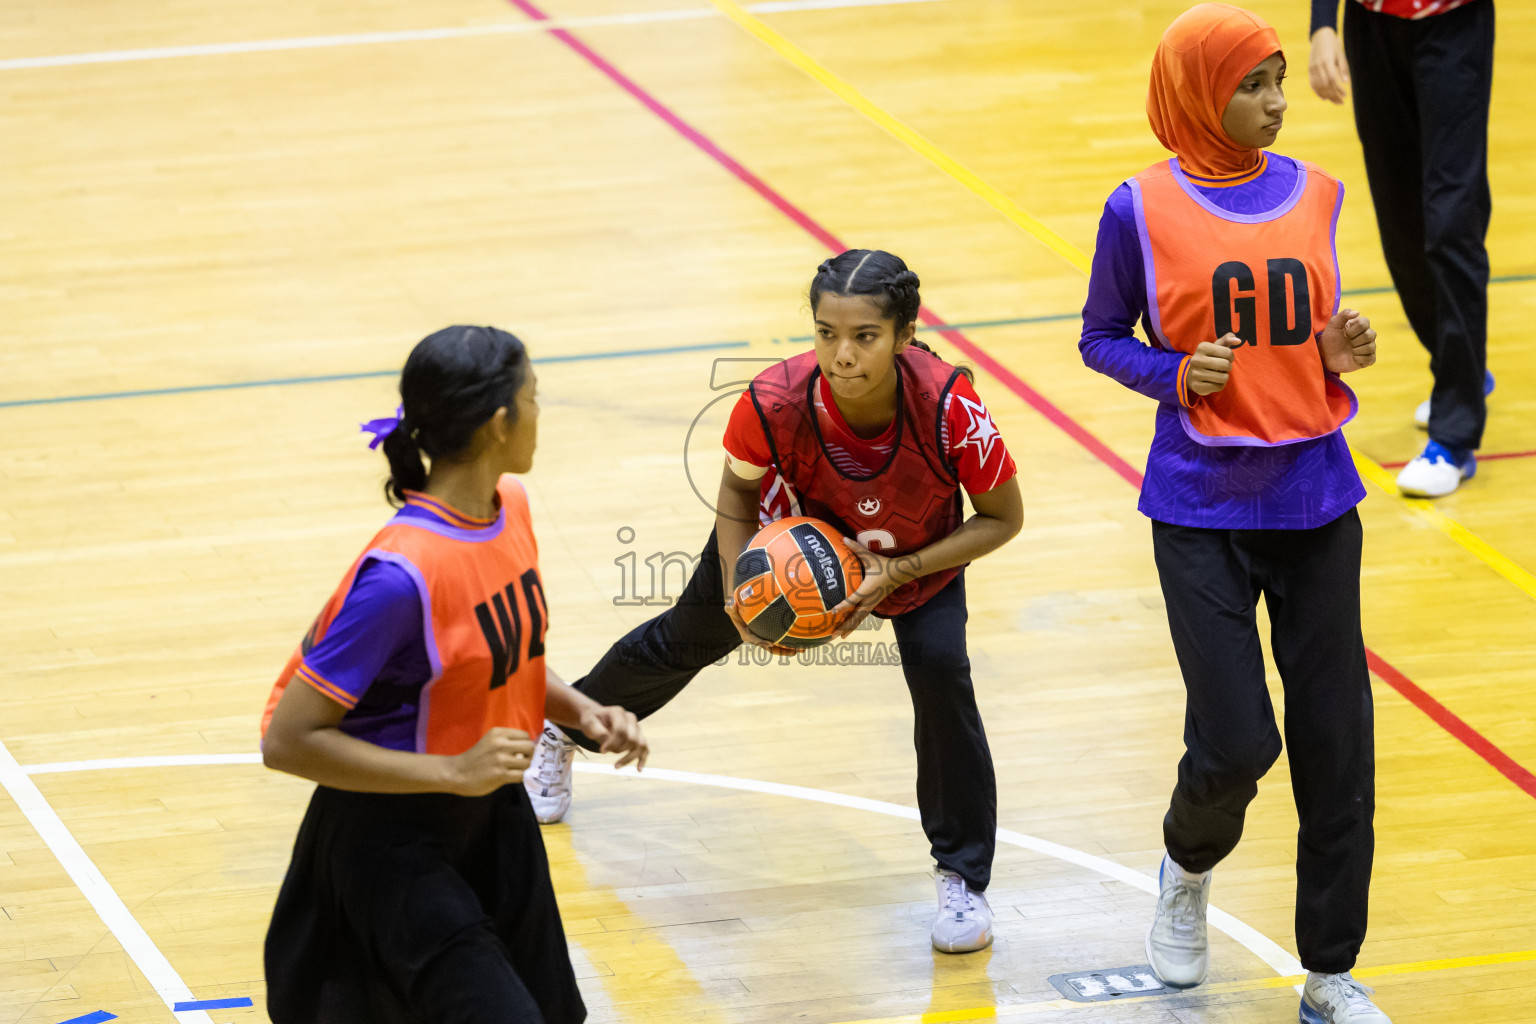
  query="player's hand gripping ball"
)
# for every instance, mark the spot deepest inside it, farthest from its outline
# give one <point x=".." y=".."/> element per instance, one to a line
<point x="789" y="579"/>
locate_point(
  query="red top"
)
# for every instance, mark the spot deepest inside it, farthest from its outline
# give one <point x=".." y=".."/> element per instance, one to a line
<point x="971" y="441"/>
<point x="896" y="493"/>
<point x="1411" y="8"/>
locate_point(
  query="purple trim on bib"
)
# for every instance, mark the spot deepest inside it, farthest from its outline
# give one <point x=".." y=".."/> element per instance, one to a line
<point x="424" y="520"/>
<point x="429" y="638"/>
<point x="1254" y="442"/>
<point x="1333" y="243"/>
<point x="1354" y="400"/>
<point x="1147" y="266"/>
<point x="1239" y="218"/>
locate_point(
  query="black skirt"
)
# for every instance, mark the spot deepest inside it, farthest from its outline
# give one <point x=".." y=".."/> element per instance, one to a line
<point x="419" y="909"/>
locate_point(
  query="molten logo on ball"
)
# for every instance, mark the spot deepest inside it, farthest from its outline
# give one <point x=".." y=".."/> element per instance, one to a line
<point x="789" y="579"/>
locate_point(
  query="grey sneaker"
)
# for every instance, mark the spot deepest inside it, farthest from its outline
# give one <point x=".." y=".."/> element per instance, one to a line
<point x="1338" y="999"/>
<point x="1177" y="946"/>
<point x="548" y="778"/>
<point x="964" y="921"/>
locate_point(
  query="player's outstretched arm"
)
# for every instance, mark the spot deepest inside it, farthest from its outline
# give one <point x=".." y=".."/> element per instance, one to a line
<point x="614" y="729"/>
<point x="305" y="739"/>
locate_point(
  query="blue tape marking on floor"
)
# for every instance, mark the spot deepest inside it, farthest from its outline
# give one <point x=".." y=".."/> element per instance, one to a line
<point x="91" y="1018"/>
<point x="326" y="378"/>
<point x="966" y="325"/>
<point x="213" y="1004"/>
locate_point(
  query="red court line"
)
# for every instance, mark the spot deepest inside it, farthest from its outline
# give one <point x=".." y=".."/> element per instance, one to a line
<point x="1480" y="458"/>
<point x="1447" y="720"/>
<point x="1474" y="740"/>
<point x="1036" y="400"/>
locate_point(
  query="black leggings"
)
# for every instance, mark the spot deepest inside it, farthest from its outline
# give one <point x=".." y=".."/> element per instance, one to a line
<point x="1310" y="580"/>
<point x="956" y="788"/>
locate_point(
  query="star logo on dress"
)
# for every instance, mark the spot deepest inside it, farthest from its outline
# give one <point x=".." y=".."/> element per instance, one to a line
<point x="981" y="431"/>
<point x="868" y="506"/>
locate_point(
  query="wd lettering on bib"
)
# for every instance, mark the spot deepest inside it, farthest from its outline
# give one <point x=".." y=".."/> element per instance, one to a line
<point x="504" y="631"/>
<point x="1274" y="283"/>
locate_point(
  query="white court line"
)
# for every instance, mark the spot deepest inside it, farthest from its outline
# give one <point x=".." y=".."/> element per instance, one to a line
<point x="1261" y="946"/>
<point x="114" y="913"/>
<point x="426" y="34"/>
<point x="1250" y="938"/>
<point x="163" y="761"/>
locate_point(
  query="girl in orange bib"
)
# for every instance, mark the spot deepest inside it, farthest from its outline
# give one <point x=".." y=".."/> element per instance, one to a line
<point x="419" y="889"/>
<point x="1225" y="253"/>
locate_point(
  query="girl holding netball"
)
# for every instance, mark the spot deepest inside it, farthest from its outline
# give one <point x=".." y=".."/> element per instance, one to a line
<point x="873" y="433"/>
<point x="419" y="889"/>
<point x="1226" y="255"/>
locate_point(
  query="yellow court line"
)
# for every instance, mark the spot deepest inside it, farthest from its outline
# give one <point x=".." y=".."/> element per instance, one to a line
<point x="915" y="140"/>
<point x="924" y="148"/>
<point x="1217" y="988"/>
<point x="1490" y="555"/>
<point x="638" y="967"/>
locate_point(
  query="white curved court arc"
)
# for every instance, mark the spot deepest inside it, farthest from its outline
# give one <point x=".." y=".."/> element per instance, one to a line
<point x="134" y="939"/>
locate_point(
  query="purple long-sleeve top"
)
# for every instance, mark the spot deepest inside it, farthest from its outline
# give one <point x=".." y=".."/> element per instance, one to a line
<point x="1287" y="487"/>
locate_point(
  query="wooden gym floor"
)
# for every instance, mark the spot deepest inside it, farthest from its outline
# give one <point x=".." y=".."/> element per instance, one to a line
<point x="225" y="225"/>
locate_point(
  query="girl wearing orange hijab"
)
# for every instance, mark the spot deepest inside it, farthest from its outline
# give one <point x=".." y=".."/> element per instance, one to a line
<point x="1225" y="253"/>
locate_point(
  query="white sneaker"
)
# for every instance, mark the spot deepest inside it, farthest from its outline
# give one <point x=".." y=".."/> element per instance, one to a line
<point x="1338" y="999"/>
<point x="1435" y="473"/>
<point x="548" y="778"/>
<point x="1177" y="946"/>
<point x="964" y="922"/>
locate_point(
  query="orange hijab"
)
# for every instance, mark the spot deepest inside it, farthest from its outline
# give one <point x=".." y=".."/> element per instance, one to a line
<point x="1202" y="58"/>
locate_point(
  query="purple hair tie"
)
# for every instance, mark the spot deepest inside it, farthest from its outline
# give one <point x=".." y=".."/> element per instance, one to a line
<point x="382" y="428"/>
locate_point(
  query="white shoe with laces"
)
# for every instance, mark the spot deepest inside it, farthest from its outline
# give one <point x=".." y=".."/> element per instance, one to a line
<point x="1177" y="946"/>
<point x="1338" y="999"/>
<point x="548" y="778"/>
<point x="964" y="922"/>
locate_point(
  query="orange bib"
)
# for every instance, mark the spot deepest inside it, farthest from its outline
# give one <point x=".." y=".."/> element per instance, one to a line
<point x="1271" y="278"/>
<point x="485" y="620"/>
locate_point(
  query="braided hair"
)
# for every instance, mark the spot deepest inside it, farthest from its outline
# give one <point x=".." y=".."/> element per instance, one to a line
<point x="883" y="277"/>
<point x="875" y="273"/>
<point x="453" y="382"/>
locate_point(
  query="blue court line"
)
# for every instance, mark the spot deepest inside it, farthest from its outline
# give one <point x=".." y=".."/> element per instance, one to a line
<point x="212" y="1004"/>
<point x="272" y="382"/>
<point x="964" y="325"/>
<point x="91" y="1018"/>
<point x="1387" y="289"/>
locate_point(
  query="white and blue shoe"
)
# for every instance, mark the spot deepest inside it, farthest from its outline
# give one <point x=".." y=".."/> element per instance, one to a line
<point x="1437" y="472"/>
<point x="1421" y="412"/>
<point x="1338" y="999"/>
